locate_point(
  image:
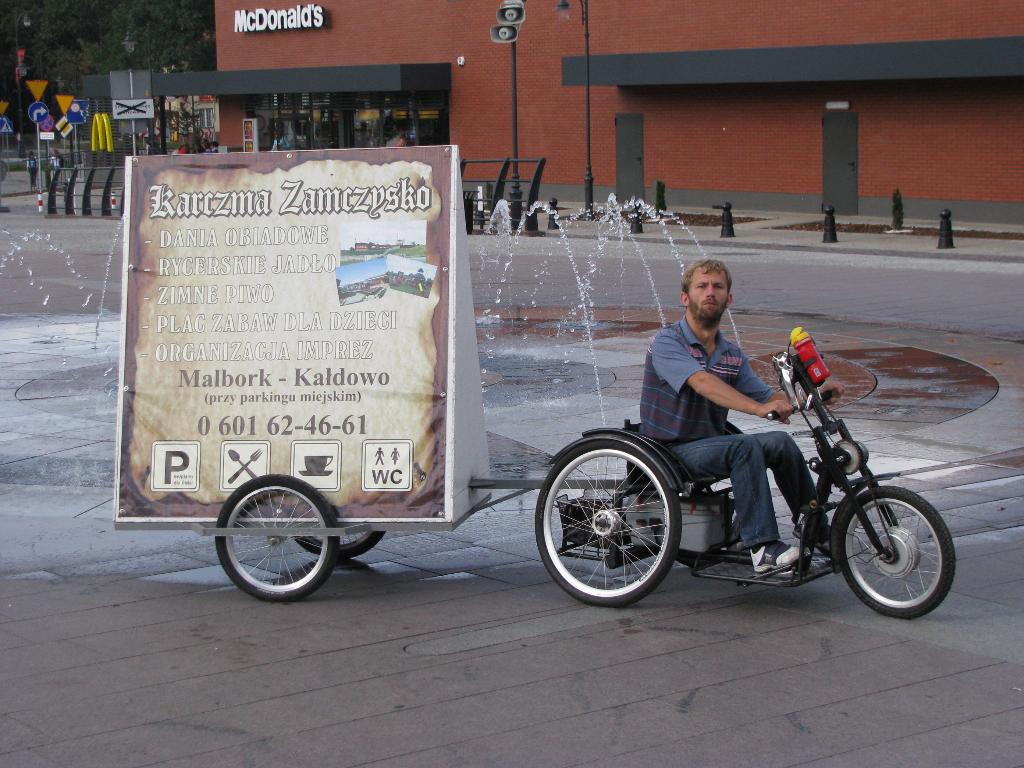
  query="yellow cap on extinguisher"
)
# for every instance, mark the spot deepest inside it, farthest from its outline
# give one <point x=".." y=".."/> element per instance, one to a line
<point x="797" y="334"/>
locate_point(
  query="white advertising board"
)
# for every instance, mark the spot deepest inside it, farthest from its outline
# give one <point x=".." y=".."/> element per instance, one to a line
<point x="298" y="313"/>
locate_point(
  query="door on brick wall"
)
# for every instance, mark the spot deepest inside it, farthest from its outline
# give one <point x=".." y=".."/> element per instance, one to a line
<point x="839" y="161"/>
<point x="629" y="156"/>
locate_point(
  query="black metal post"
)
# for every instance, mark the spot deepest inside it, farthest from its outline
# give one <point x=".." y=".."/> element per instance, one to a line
<point x="588" y="178"/>
<point x="728" y="230"/>
<point x="552" y="213"/>
<point x="467" y="210"/>
<point x="946" y="229"/>
<point x="163" y="127"/>
<point x="515" y="193"/>
<point x="21" y="123"/>
<point x="636" y="220"/>
<point x="20" y="85"/>
<point x="829" y="228"/>
<point x="478" y="215"/>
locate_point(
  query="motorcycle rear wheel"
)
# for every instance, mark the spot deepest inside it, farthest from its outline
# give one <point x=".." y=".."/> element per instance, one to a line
<point x="607" y="524"/>
<point x="919" y="575"/>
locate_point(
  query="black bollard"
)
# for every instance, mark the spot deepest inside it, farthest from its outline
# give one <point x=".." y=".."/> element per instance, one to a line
<point x="552" y="213"/>
<point x="829" y="228"/>
<point x="727" y="228"/>
<point x="468" y="199"/>
<point x="946" y="228"/>
<point x="478" y="216"/>
<point x="636" y="221"/>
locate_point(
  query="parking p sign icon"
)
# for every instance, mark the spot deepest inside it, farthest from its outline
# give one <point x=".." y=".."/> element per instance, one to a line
<point x="175" y="466"/>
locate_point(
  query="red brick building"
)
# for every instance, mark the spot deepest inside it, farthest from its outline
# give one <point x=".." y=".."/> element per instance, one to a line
<point x="769" y="104"/>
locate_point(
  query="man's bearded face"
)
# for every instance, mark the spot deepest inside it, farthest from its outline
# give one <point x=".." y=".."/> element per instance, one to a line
<point x="708" y="298"/>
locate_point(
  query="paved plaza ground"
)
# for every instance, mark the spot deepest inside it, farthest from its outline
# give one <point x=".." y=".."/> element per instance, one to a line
<point x="456" y="648"/>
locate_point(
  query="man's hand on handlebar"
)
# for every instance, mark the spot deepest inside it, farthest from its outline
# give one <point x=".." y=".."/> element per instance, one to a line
<point x="776" y="409"/>
<point x="831" y="391"/>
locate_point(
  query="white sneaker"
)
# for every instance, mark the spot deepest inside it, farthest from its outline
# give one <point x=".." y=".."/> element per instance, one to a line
<point x="773" y="555"/>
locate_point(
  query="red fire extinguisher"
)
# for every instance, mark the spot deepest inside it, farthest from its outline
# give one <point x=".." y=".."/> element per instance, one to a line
<point x="808" y="353"/>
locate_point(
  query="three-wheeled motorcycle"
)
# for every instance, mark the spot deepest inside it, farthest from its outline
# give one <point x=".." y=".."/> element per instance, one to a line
<point x="617" y="510"/>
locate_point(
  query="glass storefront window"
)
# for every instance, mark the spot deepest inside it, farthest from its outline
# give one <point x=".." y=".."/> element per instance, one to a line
<point x="324" y="121"/>
<point x="367" y="131"/>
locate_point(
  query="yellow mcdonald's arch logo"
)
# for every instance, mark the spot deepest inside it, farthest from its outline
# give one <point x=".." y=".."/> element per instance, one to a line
<point x="101" y="137"/>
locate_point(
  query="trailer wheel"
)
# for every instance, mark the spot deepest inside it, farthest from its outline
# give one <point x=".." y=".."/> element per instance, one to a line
<point x="349" y="545"/>
<point x="278" y="564"/>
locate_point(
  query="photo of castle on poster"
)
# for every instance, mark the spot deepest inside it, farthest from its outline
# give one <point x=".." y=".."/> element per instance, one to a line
<point x="376" y="257"/>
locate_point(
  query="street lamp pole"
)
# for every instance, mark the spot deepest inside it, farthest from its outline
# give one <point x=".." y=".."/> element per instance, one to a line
<point x="511" y="15"/>
<point x="563" y="10"/>
<point x="129" y="46"/>
<point x="516" y="193"/>
<point x="22" y="18"/>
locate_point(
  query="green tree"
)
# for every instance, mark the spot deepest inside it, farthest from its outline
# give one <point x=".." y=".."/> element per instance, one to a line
<point x="68" y="40"/>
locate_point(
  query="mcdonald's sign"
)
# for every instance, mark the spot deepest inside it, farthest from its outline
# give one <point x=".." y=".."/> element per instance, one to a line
<point x="101" y="137"/>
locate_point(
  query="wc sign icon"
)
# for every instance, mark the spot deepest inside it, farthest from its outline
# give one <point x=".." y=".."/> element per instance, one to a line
<point x="175" y="466"/>
<point x="387" y="465"/>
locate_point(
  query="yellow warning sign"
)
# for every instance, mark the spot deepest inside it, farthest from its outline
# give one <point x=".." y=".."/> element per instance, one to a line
<point x="64" y="101"/>
<point x="37" y="87"/>
<point x="3" y="108"/>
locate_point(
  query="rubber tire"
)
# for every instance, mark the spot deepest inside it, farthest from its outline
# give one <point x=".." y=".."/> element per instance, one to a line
<point x="845" y="517"/>
<point x="548" y="550"/>
<point x="362" y="545"/>
<point x="323" y="567"/>
<point x="347" y="550"/>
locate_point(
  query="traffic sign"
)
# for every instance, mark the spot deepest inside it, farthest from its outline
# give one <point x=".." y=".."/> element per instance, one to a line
<point x="64" y="126"/>
<point x="3" y="107"/>
<point x="47" y="135"/>
<point x="6" y="126"/>
<point x="78" y="112"/>
<point x="37" y="112"/>
<point x="47" y="124"/>
<point x="64" y="101"/>
<point x="37" y="87"/>
<point x="133" y="109"/>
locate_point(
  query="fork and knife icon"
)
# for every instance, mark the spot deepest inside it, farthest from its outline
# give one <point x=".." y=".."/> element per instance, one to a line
<point x="235" y="457"/>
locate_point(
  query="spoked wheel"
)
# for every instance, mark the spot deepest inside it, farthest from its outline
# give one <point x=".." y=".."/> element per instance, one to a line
<point x="919" y="573"/>
<point x="349" y="545"/>
<point x="278" y="564"/>
<point x="607" y="524"/>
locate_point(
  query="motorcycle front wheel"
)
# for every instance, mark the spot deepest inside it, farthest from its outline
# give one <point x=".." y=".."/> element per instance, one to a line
<point x="918" y="574"/>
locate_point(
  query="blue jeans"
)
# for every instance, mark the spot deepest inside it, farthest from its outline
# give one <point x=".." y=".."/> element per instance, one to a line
<point x="744" y="459"/>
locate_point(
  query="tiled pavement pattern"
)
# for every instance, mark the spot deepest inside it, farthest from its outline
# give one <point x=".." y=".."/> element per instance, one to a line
<point x="449" y="649"/>
<point x="131" y="648"/>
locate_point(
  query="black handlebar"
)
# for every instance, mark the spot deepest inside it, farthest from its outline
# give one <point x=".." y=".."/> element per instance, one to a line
<point x="824" y="397"/>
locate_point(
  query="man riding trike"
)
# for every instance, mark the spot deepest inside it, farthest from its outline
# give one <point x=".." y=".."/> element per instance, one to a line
<point x="620" y="506"/>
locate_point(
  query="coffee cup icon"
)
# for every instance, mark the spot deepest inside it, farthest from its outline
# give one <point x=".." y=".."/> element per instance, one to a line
<point x="317" y="466"/>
